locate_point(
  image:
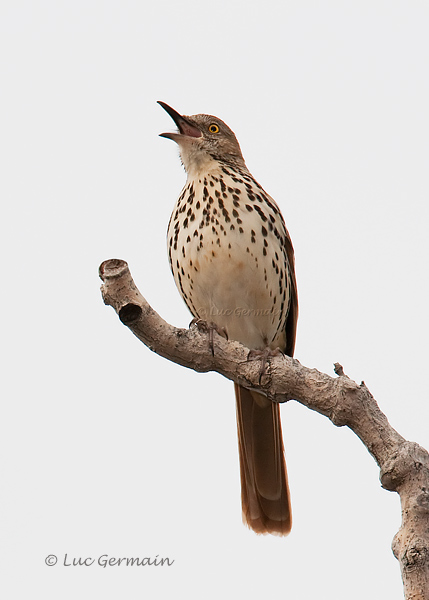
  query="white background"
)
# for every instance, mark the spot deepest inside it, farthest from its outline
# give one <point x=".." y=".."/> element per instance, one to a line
<point x="105" y="447"/>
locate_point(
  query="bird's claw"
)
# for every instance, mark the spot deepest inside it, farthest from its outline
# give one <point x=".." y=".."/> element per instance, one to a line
<point x="209" y="327"/>
<point x="265" y="356"/>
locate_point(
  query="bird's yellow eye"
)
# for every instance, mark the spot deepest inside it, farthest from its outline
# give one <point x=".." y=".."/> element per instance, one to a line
<point x="213" y="128"/>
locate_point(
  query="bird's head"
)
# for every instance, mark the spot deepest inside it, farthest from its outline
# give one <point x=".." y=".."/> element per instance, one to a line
<point x="203" y="139"/>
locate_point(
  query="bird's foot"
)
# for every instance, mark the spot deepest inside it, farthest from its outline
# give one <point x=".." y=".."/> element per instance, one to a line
<point x="264" y="355"/>
<point x="209" y="327"/>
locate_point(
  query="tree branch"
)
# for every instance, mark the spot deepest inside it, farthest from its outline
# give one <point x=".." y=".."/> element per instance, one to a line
<point x="404" y="466"/>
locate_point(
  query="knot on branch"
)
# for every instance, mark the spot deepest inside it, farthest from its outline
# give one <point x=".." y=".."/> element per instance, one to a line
<point x="130" y="313"/>
<point x="412" y="555"/>
<point x="408" y="459"/>
<point x="349" y="391"/>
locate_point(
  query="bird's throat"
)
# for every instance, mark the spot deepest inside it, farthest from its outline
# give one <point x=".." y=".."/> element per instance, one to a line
<point x="197" y="161"/>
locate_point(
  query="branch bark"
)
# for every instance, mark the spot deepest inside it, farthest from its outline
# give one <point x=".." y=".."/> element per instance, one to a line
<point x="404" y="465"/>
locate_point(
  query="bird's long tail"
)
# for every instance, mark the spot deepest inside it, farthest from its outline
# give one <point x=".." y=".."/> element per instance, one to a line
<point x="264" y="484"/>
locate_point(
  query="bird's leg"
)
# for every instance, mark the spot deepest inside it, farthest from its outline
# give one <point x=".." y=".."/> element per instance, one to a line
<point x="209" y="327"/>
<point x="265" y="356"/>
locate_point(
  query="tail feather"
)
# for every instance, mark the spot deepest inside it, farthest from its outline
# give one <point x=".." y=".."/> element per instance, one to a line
<point x="264" y="485"/>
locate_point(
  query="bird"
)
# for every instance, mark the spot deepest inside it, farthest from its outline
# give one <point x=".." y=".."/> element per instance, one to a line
<point x="233" y="263"/>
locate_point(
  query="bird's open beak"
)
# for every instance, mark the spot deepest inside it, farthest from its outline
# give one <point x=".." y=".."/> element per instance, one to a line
<point x="184" y="126"/>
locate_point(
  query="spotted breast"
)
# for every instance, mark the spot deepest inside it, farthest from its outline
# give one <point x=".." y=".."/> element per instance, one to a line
<point x="227" y="250"/>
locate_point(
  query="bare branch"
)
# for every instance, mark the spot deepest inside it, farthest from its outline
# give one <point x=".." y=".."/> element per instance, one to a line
<point x="404" y="466"/>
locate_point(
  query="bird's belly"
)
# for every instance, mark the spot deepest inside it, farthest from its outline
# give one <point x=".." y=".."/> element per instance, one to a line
<point x="232" y="295"/>
<point x="235" y="289"/>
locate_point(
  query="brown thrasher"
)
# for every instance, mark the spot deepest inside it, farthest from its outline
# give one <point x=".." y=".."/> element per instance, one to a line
<point x="233" y="263"/>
